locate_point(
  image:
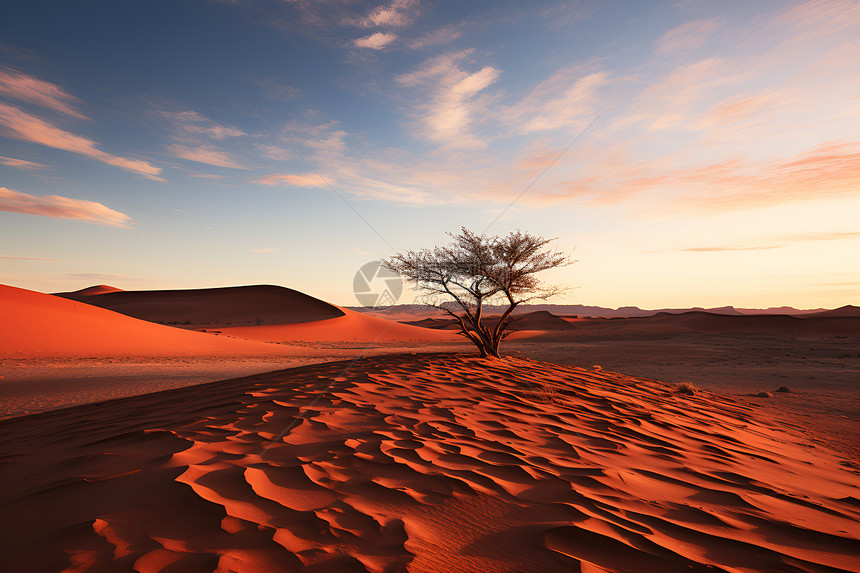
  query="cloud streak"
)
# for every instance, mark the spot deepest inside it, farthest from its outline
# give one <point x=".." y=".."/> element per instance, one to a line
<point x="308" y="180"/>
<point x="192" y="123"/>
<point x="450" y="99"/>
<point x="21" y="163"/>
<point x="793" y="238"/>
<point x="375" y="41"/>
<point x="208" y="154"/>
<point x="725" y="249"/>
<point x="55" y="206"/>
<point x="687" y="37"/>
<point x="17" y="123"/>
<point x="7" y="258"/>
<point x="398" y="14"/>
<point x="567" y="100"/>
<point x="30" y="89"/>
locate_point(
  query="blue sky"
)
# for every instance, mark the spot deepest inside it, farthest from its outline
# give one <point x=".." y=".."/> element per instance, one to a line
<point x="691" y="152"/>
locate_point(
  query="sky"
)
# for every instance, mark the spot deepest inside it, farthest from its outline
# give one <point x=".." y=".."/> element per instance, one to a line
<point x="685" y="152"/>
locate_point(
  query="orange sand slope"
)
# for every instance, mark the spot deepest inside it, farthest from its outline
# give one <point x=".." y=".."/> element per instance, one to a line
<point x="35" y="324"/>
<point x="257" y="304"/>
<point x="422" y="463"/>
<point x="352" y="327"/>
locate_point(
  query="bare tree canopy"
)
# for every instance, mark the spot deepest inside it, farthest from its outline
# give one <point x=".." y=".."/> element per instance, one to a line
<point x="476" y="269"/>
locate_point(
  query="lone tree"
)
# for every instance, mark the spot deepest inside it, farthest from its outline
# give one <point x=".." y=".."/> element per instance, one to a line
<point x="477" y="269"/>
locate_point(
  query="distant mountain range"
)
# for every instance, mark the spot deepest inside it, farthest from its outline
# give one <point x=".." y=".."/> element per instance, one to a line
<point x="407" y="311"/>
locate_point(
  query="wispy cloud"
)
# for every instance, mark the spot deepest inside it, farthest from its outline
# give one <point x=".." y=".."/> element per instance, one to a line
<point x="670" y="101"/>
<point x="827" y="171"/>
<point x="17" y="123"/>
<point x="212" y="176"/>
<point x="376" y="41"/>
<point x="444" y="35"/>
<point x="724" y="249"/>
<point x="4" y="257"/>
<point x="566" y="12"/>
<point x="820" y="17"/>
<point x="293" y="180"/>
<point x="567" y="100"/>
<point x="821" y="236"/>
<point x="192" y="123"/>
<point x="21" y="163"/>
<point x="449" y="93"/>
<point x="59" y="207"/>
<point x="208" y="154"/>
<point x="791" y="238"/>
<point x="30" y="89"/>
<point x="274" y="152"/>
<point x="276" y="90"/>
<point x="397" y="14"/>
<point x="687" y="37"/>
<point x="743" y="107"/>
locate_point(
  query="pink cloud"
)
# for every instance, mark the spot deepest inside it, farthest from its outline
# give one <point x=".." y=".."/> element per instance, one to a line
<point x="192" y="123"/>
<point x="743" y="107"/>
<point x="59" y="207"/>
<point x="207" y="154"/>
<point x="821" y="17"/>
<point x="5" y="258"/>
<point x="799" y="237"/>
<point x="566" y="100"/>
<point x="20" y="163"/>
<point x="293" y="180"/>
<point x="398" y="14"/>
<point x="729" y="249"/>
<point x="827" y="171"/>
<point x="17" y="123"/>
<point x="435" y="37"/>
<point x="837" y="236"/>
<point x="671" y="100"/>
<point x="450" y="100"/>
<point x="376" y="41"/>
<point x="687" y="37"/>
<point x="24" y="87"/>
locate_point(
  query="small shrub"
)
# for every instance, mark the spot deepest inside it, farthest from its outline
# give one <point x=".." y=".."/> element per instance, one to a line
<point x="685" y="388"/>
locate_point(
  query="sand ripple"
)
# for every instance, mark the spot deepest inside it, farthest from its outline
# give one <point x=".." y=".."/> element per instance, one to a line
<point x="423" y="463"/>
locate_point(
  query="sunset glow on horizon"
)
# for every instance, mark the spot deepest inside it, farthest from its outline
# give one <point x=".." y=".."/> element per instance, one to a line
<point x="687" y="153"/>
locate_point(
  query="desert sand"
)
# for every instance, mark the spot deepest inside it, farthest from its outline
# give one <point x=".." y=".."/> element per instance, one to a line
<point x="57" y="351"/>
<point x="422" y="463"/>
<point x="749" y="358"/>
<point x="418" y="461"/>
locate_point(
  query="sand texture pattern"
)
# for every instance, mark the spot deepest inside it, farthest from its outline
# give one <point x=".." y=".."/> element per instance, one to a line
<point x="422" y="463"/>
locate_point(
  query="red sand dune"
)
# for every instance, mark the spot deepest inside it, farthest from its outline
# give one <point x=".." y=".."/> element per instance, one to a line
<point x="36" y="324"/>
<point x="539" y="320"/>
<point x="707" y="323"/>
<point x="427" y="463"/>
<point x="80" y="295"/>
<point x="781" y="324"/>
<point x="351" y="327"/>
<point x="257" y="304"/>
<point x="847" y="310"/>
